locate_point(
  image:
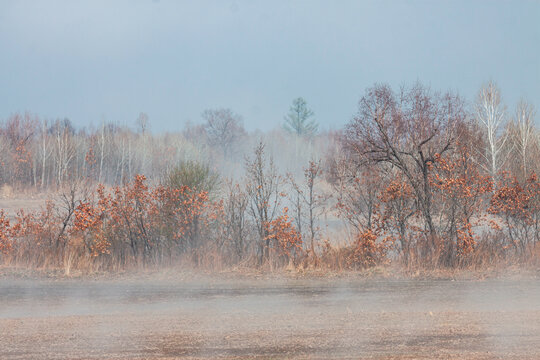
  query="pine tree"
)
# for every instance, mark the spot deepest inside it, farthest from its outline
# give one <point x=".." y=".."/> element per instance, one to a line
<point x="298" y="120"/>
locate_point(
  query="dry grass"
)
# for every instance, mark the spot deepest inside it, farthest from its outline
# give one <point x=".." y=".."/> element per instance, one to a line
<point x="336" y="256"/>
<point x="485" y="261"/>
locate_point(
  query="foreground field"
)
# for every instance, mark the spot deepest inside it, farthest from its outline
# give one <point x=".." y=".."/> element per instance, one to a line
<point x="270" y="318"/>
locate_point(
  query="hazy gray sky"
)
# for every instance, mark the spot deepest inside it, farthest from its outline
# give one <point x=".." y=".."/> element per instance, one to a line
<point x="88" y="60"/>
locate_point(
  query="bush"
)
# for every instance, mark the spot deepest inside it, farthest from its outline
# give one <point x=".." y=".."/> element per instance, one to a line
<point x="194" y="175"/>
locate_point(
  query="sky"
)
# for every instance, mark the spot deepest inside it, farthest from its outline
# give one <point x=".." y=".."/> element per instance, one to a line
<point x="91" y="61"/>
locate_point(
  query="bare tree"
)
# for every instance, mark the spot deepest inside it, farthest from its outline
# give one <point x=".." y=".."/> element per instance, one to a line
<point x="18" y="131"/>
<point x="223" y="128"/>
<point x="45" y="151"/>
<point x="69" y="198"/>
<point x="490" y="112"/>
<point x="64" y="149"/>
<point x="356" y="185"/>
<point x="309" y="203"/>
<point x="236" y="224"/>
<point x="262" y="188"/>
<point x="142" y="123"/>
<point x="522" y="130"/>
<point x="102" y="141"/>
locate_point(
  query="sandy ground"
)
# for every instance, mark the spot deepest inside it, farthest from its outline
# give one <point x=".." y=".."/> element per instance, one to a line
<point x="277" y="318"/>
<point x="12" y="205"/>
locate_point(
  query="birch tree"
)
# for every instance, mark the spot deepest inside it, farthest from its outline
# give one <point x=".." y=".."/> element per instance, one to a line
<point x="102" y="142"/>
<point x="64" y="149"/>
<point x="45" y="152"/>
<point x="490" y="113"/>
<point x="523" y="131"/>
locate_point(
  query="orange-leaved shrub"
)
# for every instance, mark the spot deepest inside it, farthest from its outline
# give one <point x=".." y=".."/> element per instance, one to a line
<point x="5" y="233"/>
<point x="133" y="223"/>
<point x="517" y="207"/>
<point x="283" y="236"/>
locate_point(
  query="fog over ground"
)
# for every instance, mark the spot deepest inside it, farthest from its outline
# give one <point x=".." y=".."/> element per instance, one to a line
<point x="102" y="109"/>
<point x="100" y="60"/>
<point x="277" y="318"/>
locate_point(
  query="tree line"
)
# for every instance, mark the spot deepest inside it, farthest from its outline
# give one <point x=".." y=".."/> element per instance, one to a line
<point x="417" y="176"/>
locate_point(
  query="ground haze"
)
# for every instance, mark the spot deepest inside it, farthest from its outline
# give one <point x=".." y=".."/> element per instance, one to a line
<point x="270" y="318"/>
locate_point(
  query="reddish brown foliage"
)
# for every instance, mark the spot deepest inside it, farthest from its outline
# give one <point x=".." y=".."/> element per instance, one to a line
<point x="283" y="234"/>
<point x="148" y="221"/>
<point x="518" y="207"/>
<point x="368" y="249"/>
<point x="461" y="189"/>
<point x="5" y="233"/>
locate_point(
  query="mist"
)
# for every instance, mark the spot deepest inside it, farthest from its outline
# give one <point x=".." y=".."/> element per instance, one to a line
<point x="269" y="180"/>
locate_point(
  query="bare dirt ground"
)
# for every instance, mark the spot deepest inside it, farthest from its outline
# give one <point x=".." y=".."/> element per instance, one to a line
<point x="269" y="318"/>
<point x="12" y="204"/>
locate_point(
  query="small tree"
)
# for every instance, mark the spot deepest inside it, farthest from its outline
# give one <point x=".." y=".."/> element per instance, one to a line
<point x="309" y="204"/>
<point x="262" y="188"/>
<point x="194" y="175"/>
<point x="236" y="222"/>
<point x="298" y="120"/>
<point x="286" y="239"/>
